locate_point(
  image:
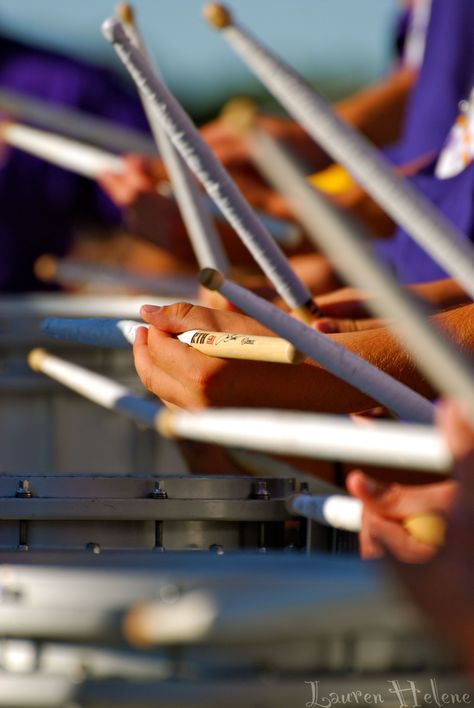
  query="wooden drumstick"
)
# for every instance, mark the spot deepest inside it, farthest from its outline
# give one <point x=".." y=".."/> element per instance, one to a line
<point x="217" y="182"/>
<point x="344" y="512"/>
<point x="69" y="154"/>
<point x="406" y="205"/>
<point x="224" y="345"/>
<point x="336" y="359"/>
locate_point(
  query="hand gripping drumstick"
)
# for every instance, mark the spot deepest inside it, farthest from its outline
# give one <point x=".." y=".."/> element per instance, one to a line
<point x="341" y="362"/>
<point x="121" y="333"/>
<point x="205" y="240"/>
<point x="342" y="512"/>
<point x="346" y="244"/>
<point x="215" y="179"/>
<point x="399" y="199"/>
<point x="309" y="435"/>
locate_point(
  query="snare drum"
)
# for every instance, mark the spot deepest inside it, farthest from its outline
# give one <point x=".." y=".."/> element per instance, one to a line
<point x="143" y="513"/>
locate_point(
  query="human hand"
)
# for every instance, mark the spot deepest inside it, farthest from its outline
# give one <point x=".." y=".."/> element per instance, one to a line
<point x="387" y="506"/>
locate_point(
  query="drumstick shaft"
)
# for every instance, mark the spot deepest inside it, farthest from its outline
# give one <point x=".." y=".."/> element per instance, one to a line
<point x="329" y="437"/>
<point x="215" y="179"/>
<point x="96" y="388"/>
<point x="404" y="203"/>
<point x="347" y="246"/>
<point x="76" y="124"/>
<point x="204" y="238"/>
<point x="336" y="359"/>
<point x="86" y="160"/>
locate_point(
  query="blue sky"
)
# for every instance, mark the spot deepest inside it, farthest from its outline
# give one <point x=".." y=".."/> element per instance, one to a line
<point x="344" y="39"/>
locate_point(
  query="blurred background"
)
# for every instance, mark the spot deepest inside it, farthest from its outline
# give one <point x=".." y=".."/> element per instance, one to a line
<point x="338" y="44"/>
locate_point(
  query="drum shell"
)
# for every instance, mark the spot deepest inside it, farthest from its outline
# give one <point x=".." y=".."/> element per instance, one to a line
<point x="96" y="513"/>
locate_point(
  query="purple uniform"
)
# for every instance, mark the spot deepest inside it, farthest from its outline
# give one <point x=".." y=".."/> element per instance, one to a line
<point x="446" y="78"/>
<point x="40" y="204"/>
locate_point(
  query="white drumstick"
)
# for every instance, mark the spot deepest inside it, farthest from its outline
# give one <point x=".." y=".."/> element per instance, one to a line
<point x="335" y="510"/>
<point x="204" y="238"/>
<point x="346" y="244"/>
<point x="328" y="437"/>
<point x="77" y="124"/>
<point x="69" y="154"/>
<point x="215" y="179"/>
<point x="399" y="199"/>
<point x="99" y="389"/>
<point x="67" y="271"/>
<point x="336" y="359"/>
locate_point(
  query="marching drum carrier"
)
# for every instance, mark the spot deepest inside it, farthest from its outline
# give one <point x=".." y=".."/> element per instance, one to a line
<point x="145" y="513"/>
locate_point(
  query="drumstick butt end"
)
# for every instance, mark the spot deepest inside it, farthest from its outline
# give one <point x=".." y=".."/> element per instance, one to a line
<point x="164" y="423"/>
<point x="36" y="358"/>
<point x="217" y="15"/>
<point x="211" y="279"/>
<point x="45" y="268"/>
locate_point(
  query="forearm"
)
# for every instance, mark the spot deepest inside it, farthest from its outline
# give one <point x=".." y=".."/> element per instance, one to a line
<point x="442" y="294"/>
<point x="378" y="110"/>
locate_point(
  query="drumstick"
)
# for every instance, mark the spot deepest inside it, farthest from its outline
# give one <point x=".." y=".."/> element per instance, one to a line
<point x="204" y="238"/>
<point x="67" y="271"/>
<point x="76" y="124"/>
<point x="215" y="179"/>
<point x="402" y="201"/>
<point x="313" y="435"/>
<point x="346" y="244"/>
<point x="90" y="161"/>
<point x="121" y="333"/>
<point x="304" y="434"/>
<point x="96" y="388"/>
<point x="336" y="359"/>
<point x="342" y="512"/>
<point x="69" y="154"/>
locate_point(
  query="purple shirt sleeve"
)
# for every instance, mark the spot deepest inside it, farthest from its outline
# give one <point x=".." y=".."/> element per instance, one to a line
<point x="40" y="204"/>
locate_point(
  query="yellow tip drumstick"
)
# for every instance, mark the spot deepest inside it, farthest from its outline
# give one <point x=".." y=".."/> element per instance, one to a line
<point x="125" y="13"/>
<point x="427" y="528"/>
<point x="217" y="15"/>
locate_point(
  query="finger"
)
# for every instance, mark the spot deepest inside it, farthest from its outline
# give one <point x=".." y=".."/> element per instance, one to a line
<point x="369" y="549"/>
<point x="336" y="326"/>
<point x="152" y="376"/>
<point x="182" y="316"/>
<point x="393" y="538"/>
<point x="115" y="185"/>
<point x="397" y="502"/>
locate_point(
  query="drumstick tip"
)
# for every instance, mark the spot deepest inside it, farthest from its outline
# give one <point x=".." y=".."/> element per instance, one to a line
<point x="164" y="423"/>
<point x="112" y="30"/>
<point x="217" y="15"/>
<point x="125" y="13"/>
<point x="239" y="113"/>
<point x="36" y="358"/>
<point x="45" y="268"/>
<point x="211" y="279"/>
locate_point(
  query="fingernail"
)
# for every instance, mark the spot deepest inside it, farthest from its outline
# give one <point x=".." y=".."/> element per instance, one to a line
<point x="324" y="327"/>
<point x="150" y="309"/>
<point x="371" y="486"/>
